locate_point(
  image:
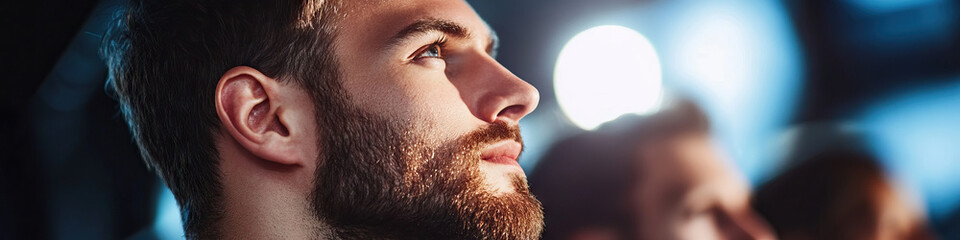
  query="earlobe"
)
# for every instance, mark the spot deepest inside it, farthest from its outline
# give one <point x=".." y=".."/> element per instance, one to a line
<point x="250" y="110"/>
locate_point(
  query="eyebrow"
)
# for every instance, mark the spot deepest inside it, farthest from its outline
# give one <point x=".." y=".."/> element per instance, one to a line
<point x="448" y="27"/>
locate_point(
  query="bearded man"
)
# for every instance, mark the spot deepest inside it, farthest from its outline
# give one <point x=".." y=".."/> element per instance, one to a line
<point x="310" y="119"/>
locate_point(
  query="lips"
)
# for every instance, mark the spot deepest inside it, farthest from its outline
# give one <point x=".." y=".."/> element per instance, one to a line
<point x="503" y="152"/>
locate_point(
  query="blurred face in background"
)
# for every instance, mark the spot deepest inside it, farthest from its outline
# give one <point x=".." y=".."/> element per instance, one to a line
<point x="840" y="193"/>
<point x="686" y="190"/>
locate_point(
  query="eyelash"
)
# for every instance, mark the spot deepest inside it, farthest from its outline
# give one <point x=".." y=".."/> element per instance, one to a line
<point x="440" y="44"/>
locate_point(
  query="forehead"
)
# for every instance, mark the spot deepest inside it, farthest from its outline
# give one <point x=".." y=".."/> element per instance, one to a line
<point x="685" y="154"/>
<point x="685" y="162"/>
<point x="371" y="22"/>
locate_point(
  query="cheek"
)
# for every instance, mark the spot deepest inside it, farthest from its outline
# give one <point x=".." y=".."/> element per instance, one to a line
<point x="419" y="96"/>
<point x="445" y="112"/>
<point x="656" y="217"/>
<point x="698" y="228"/>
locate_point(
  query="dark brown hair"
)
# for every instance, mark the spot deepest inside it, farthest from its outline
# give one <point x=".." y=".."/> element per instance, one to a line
<point x="165" y="58"/>
<point x="827" y="196"/>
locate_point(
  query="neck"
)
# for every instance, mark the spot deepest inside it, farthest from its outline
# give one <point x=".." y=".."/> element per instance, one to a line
<point x="263" y="200"/>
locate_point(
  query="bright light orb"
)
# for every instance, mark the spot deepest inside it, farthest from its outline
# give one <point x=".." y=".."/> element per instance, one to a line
<point x="605" y="72"/>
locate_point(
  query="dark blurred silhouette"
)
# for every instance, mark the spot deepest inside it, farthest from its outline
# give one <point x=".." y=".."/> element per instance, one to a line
<point x="655" y="177"/>
<point x="948" y="232"/>
<point x="841" y="192"/>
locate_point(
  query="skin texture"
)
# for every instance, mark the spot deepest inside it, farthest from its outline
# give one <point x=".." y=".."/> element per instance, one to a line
<point x="399" y="157"/>
<point x="459" y="93"/>
<point x="688" y="191"/>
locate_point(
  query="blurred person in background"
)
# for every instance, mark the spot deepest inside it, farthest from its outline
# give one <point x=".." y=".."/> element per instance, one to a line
<point x="837" y="190"/>
<point x="654" y="177"/>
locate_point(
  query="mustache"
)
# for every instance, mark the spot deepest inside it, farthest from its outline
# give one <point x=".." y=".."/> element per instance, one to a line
<point x="492" y="133"/>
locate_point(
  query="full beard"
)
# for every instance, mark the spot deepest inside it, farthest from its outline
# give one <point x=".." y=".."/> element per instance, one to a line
<point x="382" y="179"/>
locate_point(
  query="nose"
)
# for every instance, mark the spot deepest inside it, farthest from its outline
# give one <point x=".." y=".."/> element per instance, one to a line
<point x="493" y="93"/>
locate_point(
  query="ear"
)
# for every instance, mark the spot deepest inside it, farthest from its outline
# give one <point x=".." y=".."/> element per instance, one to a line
<point x="250" y="109"/>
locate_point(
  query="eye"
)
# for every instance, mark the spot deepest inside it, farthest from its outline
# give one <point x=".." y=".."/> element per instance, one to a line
<point x="430" y="51"/>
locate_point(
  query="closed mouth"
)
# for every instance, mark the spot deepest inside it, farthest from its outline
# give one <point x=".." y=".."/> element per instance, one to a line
<point x="503" y="152"/>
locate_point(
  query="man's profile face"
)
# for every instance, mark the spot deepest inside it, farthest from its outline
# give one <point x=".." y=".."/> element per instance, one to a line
<point x="430" y="62"/>
<point x="688" y="192"/>
<point x="425" y="146"/>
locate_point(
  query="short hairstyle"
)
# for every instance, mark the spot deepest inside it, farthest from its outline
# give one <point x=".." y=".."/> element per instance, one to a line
<point x="585" y="180"/>
<point x="826" y="196"/>
<point x="165" y="58"/>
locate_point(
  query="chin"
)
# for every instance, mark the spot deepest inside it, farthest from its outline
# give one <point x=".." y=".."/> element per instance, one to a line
<point x="501" y="178"/>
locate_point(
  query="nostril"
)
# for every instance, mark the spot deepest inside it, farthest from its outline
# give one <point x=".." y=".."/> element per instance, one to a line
<point x="513" y="112"/>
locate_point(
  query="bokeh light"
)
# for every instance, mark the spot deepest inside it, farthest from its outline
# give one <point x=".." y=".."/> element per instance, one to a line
<point x="168" y="223"/>
<point x="605" y="72"/>
<point x="741" y="61"/>
<point x="916" y="135"/>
